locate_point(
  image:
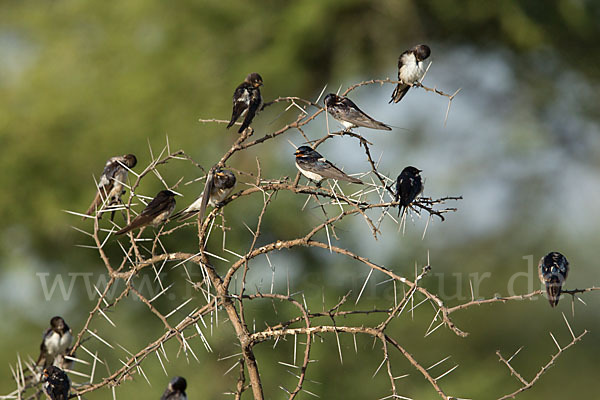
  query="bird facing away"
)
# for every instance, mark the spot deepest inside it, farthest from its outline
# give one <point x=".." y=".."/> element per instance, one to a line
<point x="110" y="186"/>
<point x="155" y="213"/>
<point x="175" y="389"/>
<point x="246" y="101"/>
<point x="408" y="187"/>
<point x="55" y="342"/>
<point x="348" y="114"/>
<point x="219" y="186"/>
<point x="553" y="270"/>
<point x="316" y="168"/>
<point x="410" y="69"/>
<point x="56" y="383"/>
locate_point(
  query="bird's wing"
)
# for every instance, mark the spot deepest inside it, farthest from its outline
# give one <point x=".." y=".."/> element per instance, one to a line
<point x="255" y="102"/>
<point x="350" y="112"/>
<point x="399" y="92"/>
<point x="101" y="194"/>
<point x="43" y="349"/>
<point x="328" y="170"/>
<point x="106" y="183"/>
<point x="189" y="211"/>
<point x="157" y="206"/>
<point x="206" y="194"/>
<point x="241" y="98"/>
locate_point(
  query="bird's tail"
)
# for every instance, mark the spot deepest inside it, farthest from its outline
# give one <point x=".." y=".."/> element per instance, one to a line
<point x="399" y="92"/>
<point x="230" y="124"/>
<point x="245" y="124"/>
<point x="96" y="203"/>
<point x="354" y="180"/>
<point x="134" y="224"/>
<point x="183" y="215"/>
<point x="383" y="126"/>
<point x="553" y="289"/>
<point x="401" y="210"/>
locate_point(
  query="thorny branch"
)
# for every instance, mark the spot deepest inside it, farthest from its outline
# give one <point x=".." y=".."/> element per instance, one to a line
<point x="228" y="290"/>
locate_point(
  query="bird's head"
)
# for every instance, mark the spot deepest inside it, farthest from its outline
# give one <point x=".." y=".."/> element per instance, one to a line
<point x="130" y="160"/>
<point x="410" y="170"/>
<point x="50" y="372"/>
<point x="224" y="178"/>
<point x="254" y="79"/>
<point x="58" y="324"/>
<point x="178" y="383"/>
<point x="422" y="52"/>
<point x="306" y="152"/>
<point x="331" y="99"/>
<point x="166" y="193"/>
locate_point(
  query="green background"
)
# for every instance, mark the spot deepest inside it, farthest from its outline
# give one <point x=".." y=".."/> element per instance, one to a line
<point x="83" y="81"/>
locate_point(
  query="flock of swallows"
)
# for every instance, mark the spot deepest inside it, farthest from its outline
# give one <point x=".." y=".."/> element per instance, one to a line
<point x="247" y="101"/>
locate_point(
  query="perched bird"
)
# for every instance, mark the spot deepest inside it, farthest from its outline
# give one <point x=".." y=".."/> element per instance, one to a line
<point x="219" y="186"/>
<point x="56" y="383"/>
<point x="175" y="389"/>
<point x="316" y="168"/>
<point x="344" y="110"/>
<point x="553" y="270"/>
<point x="408" y="187"/>
<point x="55" y="343"/>
<point x="155" y="213"/>
<point x="246" y="100"/>
<point x="110" y="186"/>
<point x="410" y="69"/>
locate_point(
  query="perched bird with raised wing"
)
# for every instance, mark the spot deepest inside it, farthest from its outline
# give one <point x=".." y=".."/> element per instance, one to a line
<point x="408" y="187"/>
<point x="156" y="212"/>
<point x="316" y="168"/>
<point x="56" y="383"/>
<point x="175" y="389"/>
<point x="219" y="185"/>
<point x="246" y="101"/>
<point x="348" y="114"/>
<point x="553" y="270"/>
<point x="56" y="342"/>
<point x="110" y="186"/>
<point x="410" y="70"/>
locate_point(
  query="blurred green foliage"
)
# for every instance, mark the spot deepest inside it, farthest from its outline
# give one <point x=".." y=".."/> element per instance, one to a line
<point x="83" y="81"/>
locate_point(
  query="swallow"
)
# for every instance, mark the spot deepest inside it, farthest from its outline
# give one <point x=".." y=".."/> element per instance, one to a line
<point x="175" y="389"/>
<point x="246" y="101"/>
<point x="316" y="168"/>
<point x="110" y="186"/>
<point x="348" y="114"/>
<point x="553" y="270"/>
<point x="408" y="187"/>
<point x="55" y="343"/>
<point x="219" y="185"/>
<point x="155" y="213"/>
<point x="410" y="70"/>
<point x="56" y="383"/>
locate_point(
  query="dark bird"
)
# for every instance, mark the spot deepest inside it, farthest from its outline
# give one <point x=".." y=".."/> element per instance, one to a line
<point x="175" y="389"/>
<point x="410" y="69"/>
<point x="316" y="168"/>
<point x="55" y="343"/>
<point x="56" y="383"/>
<point x="553" y="270"/>
<point x="246" y="101"/>
<point x="155" y="213"/>
<point x="219" y="185"/>
<point x="408" y="187"/>
<point x="110" y="186"/>
<point x="344" y="110"/>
